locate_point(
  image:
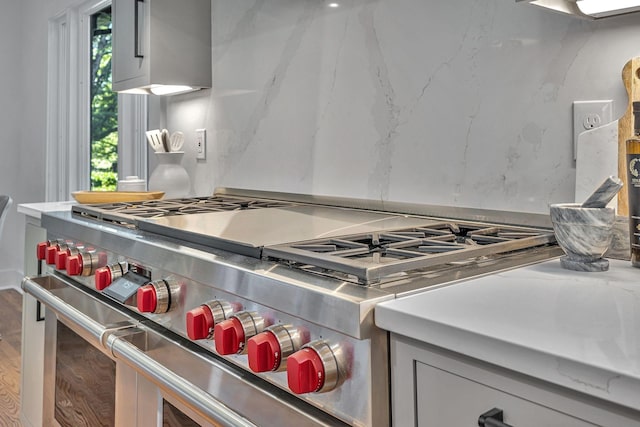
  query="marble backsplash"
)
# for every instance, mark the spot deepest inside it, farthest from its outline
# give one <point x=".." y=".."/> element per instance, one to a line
<point x="463" y="102"/>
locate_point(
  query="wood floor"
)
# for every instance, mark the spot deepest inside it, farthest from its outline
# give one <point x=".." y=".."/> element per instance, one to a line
<point x="10" y="333"/>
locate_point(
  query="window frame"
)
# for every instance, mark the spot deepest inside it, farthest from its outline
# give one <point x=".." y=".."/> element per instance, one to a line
<point x="67" y="167"/>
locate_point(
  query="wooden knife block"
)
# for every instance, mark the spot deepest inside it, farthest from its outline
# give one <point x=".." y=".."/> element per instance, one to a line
<point x="631" y="80"/>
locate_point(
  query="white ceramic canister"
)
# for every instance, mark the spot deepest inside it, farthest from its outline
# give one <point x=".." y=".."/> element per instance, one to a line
<point x="170" y="176"/>
<point x="132" y="183"/>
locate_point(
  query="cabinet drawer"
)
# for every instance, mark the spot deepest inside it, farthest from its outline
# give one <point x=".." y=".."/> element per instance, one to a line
<point x="446" y="399"/>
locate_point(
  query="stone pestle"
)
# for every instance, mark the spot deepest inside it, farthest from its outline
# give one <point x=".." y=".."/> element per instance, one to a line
<point x="604" y="193"/>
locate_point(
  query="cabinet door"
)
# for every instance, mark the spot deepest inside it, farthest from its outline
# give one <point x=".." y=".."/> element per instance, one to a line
<point x="129" y="39"/>
<point x="445" y="399"/>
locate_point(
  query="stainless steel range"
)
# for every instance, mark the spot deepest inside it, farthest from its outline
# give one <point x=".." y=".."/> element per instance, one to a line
<point x="257" y="308"/>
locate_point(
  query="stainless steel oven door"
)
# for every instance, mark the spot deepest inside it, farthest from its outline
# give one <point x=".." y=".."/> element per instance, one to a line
<point x="160" y="378"/>
<point x="96" y="372"/>
<point x="82" y="386"/>
<point x="79" y="386"/>
<point x="79" y="376"/>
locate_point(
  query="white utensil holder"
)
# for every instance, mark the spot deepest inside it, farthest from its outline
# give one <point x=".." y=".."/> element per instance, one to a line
<point x="170" y="176"/>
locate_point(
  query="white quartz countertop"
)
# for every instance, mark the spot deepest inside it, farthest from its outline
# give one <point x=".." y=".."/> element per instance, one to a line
<point x="576" y="329"/>
<point x="36" y="209"/>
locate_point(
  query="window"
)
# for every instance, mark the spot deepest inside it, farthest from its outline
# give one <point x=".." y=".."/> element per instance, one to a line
<point x="82" y="133"/>
<point x="103" y="106"/>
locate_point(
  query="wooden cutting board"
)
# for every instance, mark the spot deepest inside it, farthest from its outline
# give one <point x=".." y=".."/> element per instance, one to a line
<point x="115" y="196"/>
<point x="631" y="80"/>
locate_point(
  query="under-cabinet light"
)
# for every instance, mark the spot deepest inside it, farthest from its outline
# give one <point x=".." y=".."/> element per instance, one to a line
<point x="564" y="6"/>
<point x="136" y="91"/>
<point x="592" y="9"/>
<point x="601" y="9"/>
<point x="170" y="89"/>
<point x="160" y="90"/>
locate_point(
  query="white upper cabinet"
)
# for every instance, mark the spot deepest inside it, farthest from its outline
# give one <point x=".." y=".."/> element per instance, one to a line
<point x="161" y="46"/>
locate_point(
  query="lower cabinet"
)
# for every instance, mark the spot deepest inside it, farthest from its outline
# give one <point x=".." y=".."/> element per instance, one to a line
<point x="447" y="399"/>
<point x="432" y="387"/>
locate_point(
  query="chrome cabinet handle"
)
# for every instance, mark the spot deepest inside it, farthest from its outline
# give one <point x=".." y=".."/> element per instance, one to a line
<point x="136" y="31"/>
<point x="492" y="418"/>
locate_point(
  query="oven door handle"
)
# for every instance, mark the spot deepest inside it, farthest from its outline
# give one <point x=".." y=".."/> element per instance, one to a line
<point x="89" y="329"/>
<point x="166" y="379"/>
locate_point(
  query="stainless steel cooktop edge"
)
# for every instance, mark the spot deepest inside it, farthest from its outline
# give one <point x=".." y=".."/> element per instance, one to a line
<point x="526" y="219"/>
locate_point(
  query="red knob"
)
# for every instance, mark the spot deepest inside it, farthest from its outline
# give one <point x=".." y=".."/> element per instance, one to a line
<point x="147" y="299"/>
<point x="229" y="336"/>
<point x="74" y="265"/>
<point x="264" y="352"/>
<point x="200" y="323"/>
<point x="61" y="260"/>
<point x="305" y="371"/>
<point x="41" y="250"/>
<point x="103" y="278"/>
<point x="50" y="256"/>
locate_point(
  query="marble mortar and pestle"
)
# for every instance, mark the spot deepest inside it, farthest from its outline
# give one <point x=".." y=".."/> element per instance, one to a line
<point x="584" y="231"/>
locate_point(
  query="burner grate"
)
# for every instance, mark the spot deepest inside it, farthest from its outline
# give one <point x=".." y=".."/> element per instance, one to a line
<point x="373" y="256"/>
<point x="125" y="213"/>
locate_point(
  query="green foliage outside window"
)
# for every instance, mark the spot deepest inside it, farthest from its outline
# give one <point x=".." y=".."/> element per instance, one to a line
<point x="104" y="162"/>
<point x="104" y="106"/>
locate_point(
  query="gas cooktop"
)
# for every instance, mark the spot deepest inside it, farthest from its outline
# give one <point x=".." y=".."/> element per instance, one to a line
<point x="357" y="245"/>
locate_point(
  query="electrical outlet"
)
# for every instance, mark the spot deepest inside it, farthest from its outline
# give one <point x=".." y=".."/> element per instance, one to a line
<point x="201" y="144"/>
<point x="589" y="115"/>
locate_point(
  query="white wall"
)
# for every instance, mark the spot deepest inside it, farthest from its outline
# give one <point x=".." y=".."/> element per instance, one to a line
<point x="462" y="102"/>
<point x="23" y="68"/>
<point x="11" y="117"/>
